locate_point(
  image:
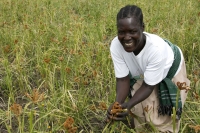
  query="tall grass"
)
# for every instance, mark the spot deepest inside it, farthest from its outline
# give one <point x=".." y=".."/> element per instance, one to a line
<point x="61" y="48"/>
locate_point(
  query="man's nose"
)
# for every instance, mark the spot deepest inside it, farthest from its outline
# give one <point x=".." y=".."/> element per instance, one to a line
<point x="127" y="36"/>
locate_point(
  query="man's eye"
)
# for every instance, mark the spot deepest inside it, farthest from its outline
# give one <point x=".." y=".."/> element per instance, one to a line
<point x="133" y="31"/>
<point x="120" y="32"/>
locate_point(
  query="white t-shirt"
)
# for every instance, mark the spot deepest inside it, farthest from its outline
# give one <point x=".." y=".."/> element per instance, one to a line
<point x="153" y="62"/>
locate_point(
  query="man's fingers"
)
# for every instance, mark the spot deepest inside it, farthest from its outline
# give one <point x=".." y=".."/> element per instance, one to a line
<point x="108" y="111"/>
<point x="125" y="110"/>
<point x="110" y="116"/>
<point x="123" y="114"/>
<point x="117" y="113"/>
<point x="119" y="118"/>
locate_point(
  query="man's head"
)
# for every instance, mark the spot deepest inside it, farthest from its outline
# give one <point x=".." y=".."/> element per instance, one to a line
<point x="130" y="28"/>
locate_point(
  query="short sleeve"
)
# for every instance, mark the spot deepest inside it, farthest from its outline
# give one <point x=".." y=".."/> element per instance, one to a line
<point x="120" y="67"/>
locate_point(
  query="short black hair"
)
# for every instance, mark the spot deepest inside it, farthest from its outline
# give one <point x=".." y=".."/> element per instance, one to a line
<point x="131" y="11"/>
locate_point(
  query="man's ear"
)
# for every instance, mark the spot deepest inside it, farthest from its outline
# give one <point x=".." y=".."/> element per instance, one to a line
<point x="143" y="26"/>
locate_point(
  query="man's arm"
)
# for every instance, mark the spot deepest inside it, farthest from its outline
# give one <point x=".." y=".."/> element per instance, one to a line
<point x="123" y="86"/>
<point x="122" y="89"/>
<point x="141" y="94"/>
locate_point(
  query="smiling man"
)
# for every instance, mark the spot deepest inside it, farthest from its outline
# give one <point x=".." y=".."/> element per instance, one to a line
<point x="155" y="64"/>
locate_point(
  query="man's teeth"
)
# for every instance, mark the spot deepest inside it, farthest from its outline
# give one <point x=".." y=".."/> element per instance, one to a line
<point x="128" y="44"/>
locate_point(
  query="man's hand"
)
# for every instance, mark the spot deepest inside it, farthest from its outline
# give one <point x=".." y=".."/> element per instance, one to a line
<point x="123" y="115"/>
<point x="109" y="115"/>
<point x="117" y="112"/>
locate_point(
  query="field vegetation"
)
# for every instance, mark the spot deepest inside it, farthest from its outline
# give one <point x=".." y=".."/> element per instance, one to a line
<point x="56" y="73"/>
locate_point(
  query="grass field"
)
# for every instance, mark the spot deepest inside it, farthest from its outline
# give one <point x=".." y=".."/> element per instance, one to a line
<point x="56" y="69"/>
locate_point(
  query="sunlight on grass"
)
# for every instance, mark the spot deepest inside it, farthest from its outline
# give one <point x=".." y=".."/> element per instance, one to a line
<point x="55" y="62"/>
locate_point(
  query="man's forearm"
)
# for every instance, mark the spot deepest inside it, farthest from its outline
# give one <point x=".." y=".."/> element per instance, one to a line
<point x="141" y="94"/>
<point x="123" y="86"/>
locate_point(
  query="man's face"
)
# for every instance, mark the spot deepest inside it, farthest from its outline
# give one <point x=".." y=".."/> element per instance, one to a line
<point x="130" y="33"/>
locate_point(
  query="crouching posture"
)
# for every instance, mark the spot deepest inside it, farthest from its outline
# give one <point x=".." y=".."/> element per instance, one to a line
<point x="147" y="69"/>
